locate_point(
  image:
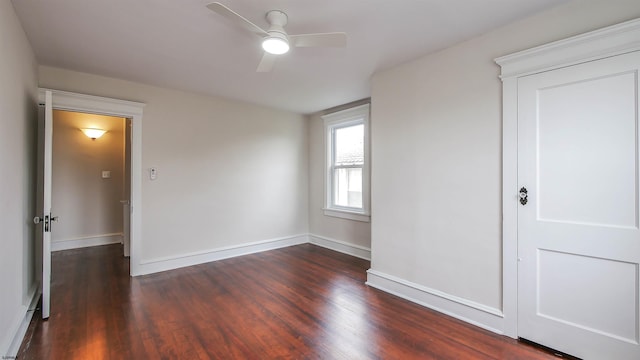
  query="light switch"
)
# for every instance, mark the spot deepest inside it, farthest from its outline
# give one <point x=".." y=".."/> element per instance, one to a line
<point x="106" y="174"/>
<point x="153" y="173"/>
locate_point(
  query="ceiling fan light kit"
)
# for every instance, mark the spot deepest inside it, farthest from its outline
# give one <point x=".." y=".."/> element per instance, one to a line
<point x="276" y="41"/>
<point x="276" y="44"/>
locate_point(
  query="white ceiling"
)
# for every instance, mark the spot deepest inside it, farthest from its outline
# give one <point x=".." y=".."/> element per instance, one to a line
<point x="180" y="44"/>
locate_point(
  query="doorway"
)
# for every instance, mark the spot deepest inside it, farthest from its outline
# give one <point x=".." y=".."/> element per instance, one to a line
<point x="67" y="101"/>
<point x="132" y="111"/>
<point x="90" y="187"/>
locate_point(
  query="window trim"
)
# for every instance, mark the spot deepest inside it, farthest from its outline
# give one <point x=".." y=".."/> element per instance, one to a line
<point x="340" y="119"/>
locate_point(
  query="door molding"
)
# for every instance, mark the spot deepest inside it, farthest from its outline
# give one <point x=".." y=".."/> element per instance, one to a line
<point x="610" y="41"/>
<point x="69" y="101"/>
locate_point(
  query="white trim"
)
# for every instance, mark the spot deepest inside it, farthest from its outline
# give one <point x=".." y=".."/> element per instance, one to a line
<point x="355" y="115"/>
<point x="510" y="207"/>
<point x="86" y="241"/>
<point x="64" y="100"/>
<point x="69" y="101"/>
<point x="200" y="257"/>
<point x="20" y="326"/>
<point x="466" y="310"/>
<point x="610" y="41"/>
<point x="350" y="215"/>
<point x="341" y="246"/>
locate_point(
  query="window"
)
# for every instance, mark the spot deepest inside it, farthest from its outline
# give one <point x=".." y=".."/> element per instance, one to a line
<point x="347" y="170"/>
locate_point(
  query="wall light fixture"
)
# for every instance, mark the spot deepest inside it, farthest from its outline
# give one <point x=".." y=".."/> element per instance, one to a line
<point x="93" y="133"/>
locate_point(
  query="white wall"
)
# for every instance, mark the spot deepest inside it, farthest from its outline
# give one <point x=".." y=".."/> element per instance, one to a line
<point x="18" y="115"/>
<point x="345" y="235"/>
<point x="88" y="206"/>
<point x="436" y="172"/>
<point x="229" y="173"/>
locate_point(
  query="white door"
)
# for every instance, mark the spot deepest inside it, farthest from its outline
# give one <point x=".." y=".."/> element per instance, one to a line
<point x="45" y="218"/>
<point x="578" y="232"/>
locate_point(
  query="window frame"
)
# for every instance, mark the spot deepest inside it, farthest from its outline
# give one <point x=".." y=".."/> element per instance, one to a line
<point x="332" y="122"/>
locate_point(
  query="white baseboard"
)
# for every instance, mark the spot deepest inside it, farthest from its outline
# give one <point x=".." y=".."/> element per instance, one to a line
<point x="474" y="313"/>
<point x="341" y="246"/>
<point x="201" y="257"/>
<point x="86" y="241"/>
<point x="20" y="326"/>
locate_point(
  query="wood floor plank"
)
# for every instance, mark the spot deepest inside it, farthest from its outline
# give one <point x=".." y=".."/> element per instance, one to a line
<point x="300" y="302"/>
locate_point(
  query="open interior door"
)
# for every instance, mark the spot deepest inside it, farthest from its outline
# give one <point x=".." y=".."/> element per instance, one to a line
<point x="44" y="219"/>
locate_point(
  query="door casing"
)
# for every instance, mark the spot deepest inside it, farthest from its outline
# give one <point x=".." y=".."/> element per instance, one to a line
<point x="610" y="41"/>
<point x="68" y="101"/>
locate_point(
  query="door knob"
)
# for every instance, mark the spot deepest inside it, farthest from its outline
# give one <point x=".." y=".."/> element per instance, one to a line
<point x="523" y="196"/>
<point x="37" y="219"/>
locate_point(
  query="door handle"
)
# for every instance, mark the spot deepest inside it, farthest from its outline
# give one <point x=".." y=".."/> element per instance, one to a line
<point x="524" y="196"/>
<point x="50" y="220"/>
<point x="47" y="221"/>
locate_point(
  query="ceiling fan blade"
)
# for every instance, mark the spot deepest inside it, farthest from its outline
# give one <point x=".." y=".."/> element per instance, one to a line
<point x="335" y="39"/>
<point x="267" y="62"/>
<point x="236" y="18"/>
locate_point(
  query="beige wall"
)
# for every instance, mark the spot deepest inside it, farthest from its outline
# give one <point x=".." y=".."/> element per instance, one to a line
<point x="436" y="141"/>
<point x="88" y="207"/>
<point x="18" y="115"/>
<point x="352" y="232"/>
<point x="229" y="173"/>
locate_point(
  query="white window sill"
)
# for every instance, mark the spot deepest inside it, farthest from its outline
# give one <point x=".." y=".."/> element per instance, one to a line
<point x="350" y="215"/>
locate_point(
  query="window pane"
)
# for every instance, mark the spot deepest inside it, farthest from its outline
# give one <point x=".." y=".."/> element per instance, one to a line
<point x="348" y="187"/>
<point x="349" y="145"/>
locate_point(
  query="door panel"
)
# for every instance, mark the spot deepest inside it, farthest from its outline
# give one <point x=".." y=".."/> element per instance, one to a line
<point x="46" y="203"/>
<point x="586" y="144"/>
<point x="577" y="291"/>
<point x="578" y="236"/>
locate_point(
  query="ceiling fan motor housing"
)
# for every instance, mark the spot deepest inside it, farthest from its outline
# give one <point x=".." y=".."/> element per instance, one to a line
<point x="277" y="20"/>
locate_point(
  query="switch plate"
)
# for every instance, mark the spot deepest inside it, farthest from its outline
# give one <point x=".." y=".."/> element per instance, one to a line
<point x="106" y="174"/>
<point x="153" y="173"/>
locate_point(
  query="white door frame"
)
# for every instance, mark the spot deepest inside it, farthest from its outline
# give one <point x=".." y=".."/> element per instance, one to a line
<point x="610" y="41"/>
<point x="63" y="100"/>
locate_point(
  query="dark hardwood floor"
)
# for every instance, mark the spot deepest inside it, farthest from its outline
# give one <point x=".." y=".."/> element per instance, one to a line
<point x="301" y="302"/>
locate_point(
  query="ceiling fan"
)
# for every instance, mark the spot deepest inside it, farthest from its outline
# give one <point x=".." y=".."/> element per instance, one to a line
<point x="275" y="40"/>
